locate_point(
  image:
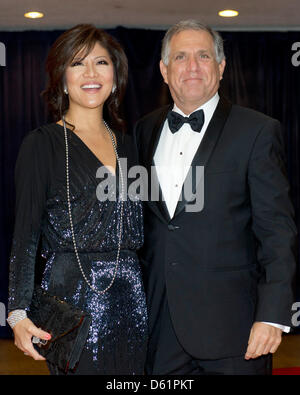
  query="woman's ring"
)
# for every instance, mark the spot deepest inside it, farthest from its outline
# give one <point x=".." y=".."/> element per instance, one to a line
<point x="35" y="340"/>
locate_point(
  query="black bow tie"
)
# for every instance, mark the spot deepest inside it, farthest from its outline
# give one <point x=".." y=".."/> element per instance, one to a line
<point x="196" y="120"/>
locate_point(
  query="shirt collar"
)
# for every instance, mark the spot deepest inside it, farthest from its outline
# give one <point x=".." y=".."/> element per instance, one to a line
<point x="208" y="107"/>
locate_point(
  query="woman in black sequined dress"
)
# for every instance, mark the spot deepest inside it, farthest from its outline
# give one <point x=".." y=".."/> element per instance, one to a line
<point x="87" y="77"/>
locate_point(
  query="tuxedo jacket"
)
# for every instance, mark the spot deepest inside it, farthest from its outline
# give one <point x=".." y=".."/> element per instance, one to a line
<point x="233" y="262"/>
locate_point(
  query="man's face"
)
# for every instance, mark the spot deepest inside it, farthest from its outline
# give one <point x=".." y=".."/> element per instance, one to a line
<point x="193" y="74"/>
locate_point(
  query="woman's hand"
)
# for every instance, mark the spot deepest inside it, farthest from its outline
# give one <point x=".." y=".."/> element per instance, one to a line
<point x="23" y="332"/>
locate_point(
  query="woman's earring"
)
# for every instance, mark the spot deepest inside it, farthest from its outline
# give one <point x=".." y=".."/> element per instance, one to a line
<point x="113" y="88"/>
<point x="66" y="90"/>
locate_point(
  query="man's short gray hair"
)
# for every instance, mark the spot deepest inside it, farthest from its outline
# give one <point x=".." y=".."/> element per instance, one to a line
<point x="191" y="25"/>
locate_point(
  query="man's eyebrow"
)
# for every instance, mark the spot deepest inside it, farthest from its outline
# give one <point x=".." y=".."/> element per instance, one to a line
<point x="176" y="53"/>
<point x="184" y="52"/>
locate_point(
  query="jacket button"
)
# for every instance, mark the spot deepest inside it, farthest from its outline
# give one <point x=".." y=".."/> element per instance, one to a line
<point x="172" y="227"/>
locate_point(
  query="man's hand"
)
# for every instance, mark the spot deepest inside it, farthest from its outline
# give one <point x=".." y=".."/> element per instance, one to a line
<point x="264" y="339"/>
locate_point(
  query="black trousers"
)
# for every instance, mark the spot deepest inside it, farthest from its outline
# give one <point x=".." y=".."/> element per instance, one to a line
<point x="166" y="356"/>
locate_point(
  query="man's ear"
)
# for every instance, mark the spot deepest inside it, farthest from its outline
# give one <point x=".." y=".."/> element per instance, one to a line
<point x="222" y="68"/>
<point x="164" y="71"/>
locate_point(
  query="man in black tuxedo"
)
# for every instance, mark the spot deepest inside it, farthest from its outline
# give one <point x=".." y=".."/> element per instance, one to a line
<point x="218" y="273"/>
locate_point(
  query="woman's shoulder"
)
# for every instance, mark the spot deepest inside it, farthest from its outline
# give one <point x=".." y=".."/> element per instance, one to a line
<point x="43" y="134"/>
<point x="45" y="130"/>
<point x="40" y="141"/>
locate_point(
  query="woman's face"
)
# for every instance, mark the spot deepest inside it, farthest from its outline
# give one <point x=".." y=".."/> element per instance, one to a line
<point x="89" y="81"/>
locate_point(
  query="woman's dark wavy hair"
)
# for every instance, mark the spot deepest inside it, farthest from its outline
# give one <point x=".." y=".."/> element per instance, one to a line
<point x="83" y="37"/>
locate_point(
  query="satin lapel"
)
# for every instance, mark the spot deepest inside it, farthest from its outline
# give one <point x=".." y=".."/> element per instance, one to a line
<point x="159" y="206"/>
<point x="205" y="149"/>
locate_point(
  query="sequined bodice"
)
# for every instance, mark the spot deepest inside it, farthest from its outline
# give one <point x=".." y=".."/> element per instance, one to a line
<point x="96" y="223"/>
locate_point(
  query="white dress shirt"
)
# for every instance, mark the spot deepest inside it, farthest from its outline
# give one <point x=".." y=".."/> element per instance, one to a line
<point x="175" y="152"/>
<point x="174" y="155"/>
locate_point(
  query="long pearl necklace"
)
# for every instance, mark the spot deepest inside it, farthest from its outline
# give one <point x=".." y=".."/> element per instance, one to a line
<point x="121" y="195"/>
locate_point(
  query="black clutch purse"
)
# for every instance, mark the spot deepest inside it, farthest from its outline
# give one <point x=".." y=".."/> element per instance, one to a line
<point x="67" y="325"/>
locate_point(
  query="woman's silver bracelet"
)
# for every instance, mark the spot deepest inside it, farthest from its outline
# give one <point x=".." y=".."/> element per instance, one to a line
<point x="15" y="317"/>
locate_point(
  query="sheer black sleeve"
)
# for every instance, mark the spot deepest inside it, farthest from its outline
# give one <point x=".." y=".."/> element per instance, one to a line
<point x="31" y="180"/>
